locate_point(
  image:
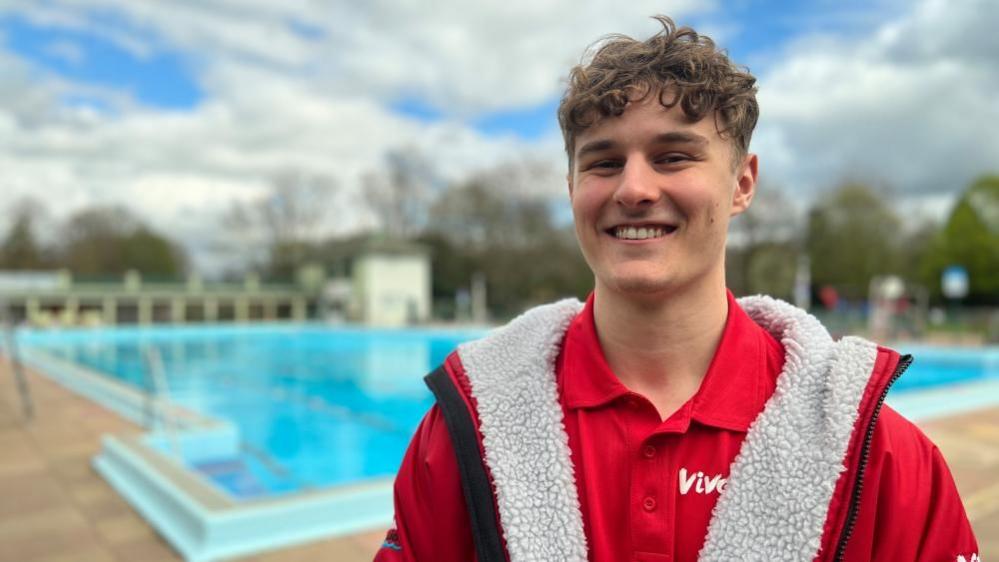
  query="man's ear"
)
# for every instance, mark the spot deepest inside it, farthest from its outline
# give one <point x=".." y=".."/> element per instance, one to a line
<point x="745" y="183"/>
<point x="568" y="181"/>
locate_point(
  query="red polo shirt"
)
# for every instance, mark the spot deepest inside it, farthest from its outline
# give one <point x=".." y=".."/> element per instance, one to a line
<point x="646" y="485"/>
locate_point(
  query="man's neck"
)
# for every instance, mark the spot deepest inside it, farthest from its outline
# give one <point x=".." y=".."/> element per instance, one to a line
<point x="662" y="347"/>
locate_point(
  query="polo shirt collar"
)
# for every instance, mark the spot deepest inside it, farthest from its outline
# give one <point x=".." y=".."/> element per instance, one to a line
<point x="731" y="394"/>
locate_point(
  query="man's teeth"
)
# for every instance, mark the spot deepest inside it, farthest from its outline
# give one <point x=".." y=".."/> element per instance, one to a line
<point x="639" y="233"/>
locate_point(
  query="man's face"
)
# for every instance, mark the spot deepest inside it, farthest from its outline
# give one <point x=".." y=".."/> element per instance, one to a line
<point x="652" y="195"/>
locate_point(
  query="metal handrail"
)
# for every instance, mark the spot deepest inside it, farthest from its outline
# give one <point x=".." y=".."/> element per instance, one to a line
<point x="16" y="367"/>
<point x="158" y="404"/>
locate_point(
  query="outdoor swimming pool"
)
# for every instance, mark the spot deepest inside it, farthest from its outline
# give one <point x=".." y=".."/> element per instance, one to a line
<point x="319" y="406"/>
<point x="288" y="433"/>
<point x="314" y="406"/>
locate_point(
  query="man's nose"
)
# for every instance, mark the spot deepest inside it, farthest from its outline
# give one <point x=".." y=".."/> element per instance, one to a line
<point x="638" y="187"/>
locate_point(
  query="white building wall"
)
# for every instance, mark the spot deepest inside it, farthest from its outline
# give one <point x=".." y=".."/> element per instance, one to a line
<point x="395" y="289"/>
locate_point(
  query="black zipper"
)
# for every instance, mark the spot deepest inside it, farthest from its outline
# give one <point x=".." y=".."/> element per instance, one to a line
<point x="858" y="487"/>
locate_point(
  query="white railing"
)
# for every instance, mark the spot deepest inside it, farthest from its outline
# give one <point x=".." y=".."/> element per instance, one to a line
<point x="159" y="407"/>
<point x="14" y="360"/>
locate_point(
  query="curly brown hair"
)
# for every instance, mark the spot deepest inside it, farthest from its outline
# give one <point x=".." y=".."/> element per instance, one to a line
<point x="679" y="65"/>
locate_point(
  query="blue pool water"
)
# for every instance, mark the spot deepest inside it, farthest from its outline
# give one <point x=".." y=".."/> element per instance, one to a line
<point x="936" y="367"/>
<point x="315" y="406"/>
<point x="318" y="406"/>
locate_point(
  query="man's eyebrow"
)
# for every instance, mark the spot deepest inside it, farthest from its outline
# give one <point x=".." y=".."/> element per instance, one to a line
<point x="595" y="146"/>
<point x="682" y="137"/>
<point x="672" y="137"/>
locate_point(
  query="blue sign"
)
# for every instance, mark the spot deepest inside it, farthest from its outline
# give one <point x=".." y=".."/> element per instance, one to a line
<point x="954" y="282"/>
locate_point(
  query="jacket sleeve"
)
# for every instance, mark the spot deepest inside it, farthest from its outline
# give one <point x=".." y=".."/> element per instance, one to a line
<point x="431" y="521"/>
<point x="910" y="508"/>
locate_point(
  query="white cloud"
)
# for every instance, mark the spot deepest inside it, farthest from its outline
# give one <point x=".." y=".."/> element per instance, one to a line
<point x="67" y="51"/>
<point x="182" y="170"/>
<point x="912" y="106"/>
<point x="485" y="55"/>
<point x="455" y="55"/>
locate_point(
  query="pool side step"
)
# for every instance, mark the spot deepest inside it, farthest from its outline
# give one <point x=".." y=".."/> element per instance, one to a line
<point x="204" y="524"/>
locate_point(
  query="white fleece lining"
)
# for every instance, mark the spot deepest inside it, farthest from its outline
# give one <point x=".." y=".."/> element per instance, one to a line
<point x="777" y="498"/>
<point x="512" y="375"/>
<point x="776" y="501"/>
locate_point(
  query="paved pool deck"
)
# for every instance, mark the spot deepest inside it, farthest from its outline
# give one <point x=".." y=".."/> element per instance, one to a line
<point x="55" y="507"/>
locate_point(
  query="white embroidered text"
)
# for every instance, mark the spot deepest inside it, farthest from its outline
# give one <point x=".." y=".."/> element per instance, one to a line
<point x="701" y="483"/>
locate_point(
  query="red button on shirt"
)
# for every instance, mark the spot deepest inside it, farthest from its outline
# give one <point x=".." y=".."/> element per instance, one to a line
<point x="659" y="502"/>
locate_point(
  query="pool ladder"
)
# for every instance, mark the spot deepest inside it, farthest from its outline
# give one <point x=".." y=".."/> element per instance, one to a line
<point x="159" y="407"/>
<point x="14" y="360"/>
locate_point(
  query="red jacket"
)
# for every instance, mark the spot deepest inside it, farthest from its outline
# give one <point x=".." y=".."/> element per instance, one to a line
<point x="895" y="500"/>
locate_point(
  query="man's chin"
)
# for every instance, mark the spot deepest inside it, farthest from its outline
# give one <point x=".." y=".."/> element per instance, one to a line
<point x="641" y="285"/>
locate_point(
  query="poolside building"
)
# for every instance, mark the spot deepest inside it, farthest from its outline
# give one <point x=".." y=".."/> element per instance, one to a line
<point x="378" y="281"/>
<point x="367" y="281"/>
<point x="57" y="299"/>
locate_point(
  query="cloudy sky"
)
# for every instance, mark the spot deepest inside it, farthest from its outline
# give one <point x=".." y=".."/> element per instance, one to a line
<point x="176" y="109"/>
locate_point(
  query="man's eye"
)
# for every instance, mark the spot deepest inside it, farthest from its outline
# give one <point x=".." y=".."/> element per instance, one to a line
<point x="672" y="158"/>
<point x="606" y="164"/>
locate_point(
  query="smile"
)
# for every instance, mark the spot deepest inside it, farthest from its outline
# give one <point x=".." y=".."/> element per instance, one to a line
<point x="641" y="232"/>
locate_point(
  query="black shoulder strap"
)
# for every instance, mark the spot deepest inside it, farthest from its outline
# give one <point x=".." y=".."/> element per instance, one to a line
<point x="474" y="479"/>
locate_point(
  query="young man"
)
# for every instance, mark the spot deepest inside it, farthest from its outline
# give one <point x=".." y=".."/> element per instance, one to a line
<point x="663" y="420"/>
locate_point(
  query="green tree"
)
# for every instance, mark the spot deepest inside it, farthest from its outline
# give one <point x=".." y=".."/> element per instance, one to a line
<point x="105" y="241"/>
<point x="490" y="225"/>
<point x="852" y="236"/>
<point x="20" y="248"/>
<point x="762" y="253"/>
<point x="970" y="238"/>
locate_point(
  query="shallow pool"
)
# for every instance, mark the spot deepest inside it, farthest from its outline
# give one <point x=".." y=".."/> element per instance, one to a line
<point x="315" y="406"/>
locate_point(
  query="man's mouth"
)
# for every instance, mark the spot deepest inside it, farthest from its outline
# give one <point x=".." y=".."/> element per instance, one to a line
<point x="643" y="232"/>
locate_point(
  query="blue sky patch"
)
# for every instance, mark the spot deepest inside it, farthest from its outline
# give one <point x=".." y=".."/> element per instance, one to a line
<point x="163" y="79"/>
<point x="414" y="108"/>
<point x="530" y="123"/>
<point x="306" y="30"/>
<point x="756" y="30"/>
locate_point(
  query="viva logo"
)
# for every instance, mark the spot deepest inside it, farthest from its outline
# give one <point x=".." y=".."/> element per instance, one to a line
<point x="974" y="558"/>
<point x="700" y="483"/>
